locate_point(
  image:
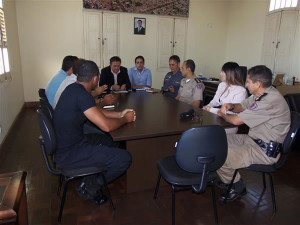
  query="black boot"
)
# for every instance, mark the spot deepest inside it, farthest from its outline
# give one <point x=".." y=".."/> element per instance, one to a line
<point x="238" y="190"/>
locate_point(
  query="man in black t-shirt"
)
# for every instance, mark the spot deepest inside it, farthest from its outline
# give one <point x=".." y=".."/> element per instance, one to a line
<point x="76" y="149"/>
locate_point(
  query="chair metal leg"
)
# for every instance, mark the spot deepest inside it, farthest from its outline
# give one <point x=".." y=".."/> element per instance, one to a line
<point x="157" y="186"/>
<point x="213" y="192"/>
<point x="230" y="186"/>
<point x="264" y="179"/>
<point x="272" y="193"/>
<point x="63" y="200"/>
<point x="173" y="205"/>
<point x="60" y="181"/>
<point x="107" y="192"/>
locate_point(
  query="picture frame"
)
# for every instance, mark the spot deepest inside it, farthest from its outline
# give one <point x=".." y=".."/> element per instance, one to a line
<point x="139" y="26"/>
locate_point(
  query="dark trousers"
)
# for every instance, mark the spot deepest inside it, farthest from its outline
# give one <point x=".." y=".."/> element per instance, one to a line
<point x="99" y="150"/>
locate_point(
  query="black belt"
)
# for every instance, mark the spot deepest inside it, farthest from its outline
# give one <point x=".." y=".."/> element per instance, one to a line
<point x="271" y="149"/>
<point x="261" y="144"/>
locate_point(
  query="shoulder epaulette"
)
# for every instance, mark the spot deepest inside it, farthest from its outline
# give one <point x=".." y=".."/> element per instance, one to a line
<point x="260" y="97"/>
<point x="197" y="80"/>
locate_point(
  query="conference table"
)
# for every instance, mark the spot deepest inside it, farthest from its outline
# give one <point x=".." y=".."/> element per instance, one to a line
<point x="153" y="135"/>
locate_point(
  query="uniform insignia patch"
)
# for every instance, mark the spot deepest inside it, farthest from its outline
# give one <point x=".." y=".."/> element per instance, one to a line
<point x="199" y="86"/>
<point x="254" y="106"/>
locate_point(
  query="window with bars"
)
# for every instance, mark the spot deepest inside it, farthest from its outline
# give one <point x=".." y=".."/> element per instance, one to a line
<point x="4" y="61"/>
<point x="280" y="4"/>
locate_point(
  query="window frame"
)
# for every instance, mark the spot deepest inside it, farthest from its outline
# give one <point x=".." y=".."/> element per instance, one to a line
<point x="276" y="5"/>
<point x="4" y="56"/>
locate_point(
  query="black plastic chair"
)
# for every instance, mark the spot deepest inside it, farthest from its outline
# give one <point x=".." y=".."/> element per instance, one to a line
<point x="42" y="94"/>
<point x="48" y="147"/>
<point x="293" y="100"/>
<point x="47" y="108"/>
<point x="198" y="156"/>
<point x="269" y="169"/>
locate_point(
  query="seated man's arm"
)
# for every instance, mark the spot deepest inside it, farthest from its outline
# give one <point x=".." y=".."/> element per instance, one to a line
<point x="108" y="124"/>
<point x="99" y="90"/>
<point x="234" y="119"/>
<point x="236" y="108"/>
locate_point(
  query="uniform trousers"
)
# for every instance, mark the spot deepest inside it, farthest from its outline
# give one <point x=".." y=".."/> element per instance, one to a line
<point x="242" y="152"/>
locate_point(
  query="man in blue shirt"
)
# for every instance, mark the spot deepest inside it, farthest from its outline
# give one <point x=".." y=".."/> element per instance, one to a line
<point x="139" y="75"/>
<point x="172" y="79"/>
<point x="55" y="82"/>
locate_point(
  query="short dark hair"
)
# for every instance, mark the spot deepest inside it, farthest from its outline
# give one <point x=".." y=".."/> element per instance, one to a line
<point x="68" y="62"/>
<point x="87" y="70"/>
<point x="114" y="59"/>
<point x="262" y="74"/>
<point x="76" y="65"/>
<point x="175" y="58"/>
<point x="139" y="57"/>
<point x="233" y="73"/>
<point x="190" y="64"/>
<point x="140" y="20"/>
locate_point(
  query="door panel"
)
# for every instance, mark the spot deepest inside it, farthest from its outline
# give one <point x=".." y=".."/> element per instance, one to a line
<point x="93" y="37"/>
<point x="286" y="41"/>
<point x="165" y="41"/>
<point x="180" y="38"/>
<point x="270" y="39"/>
<point x="110" y="35"/>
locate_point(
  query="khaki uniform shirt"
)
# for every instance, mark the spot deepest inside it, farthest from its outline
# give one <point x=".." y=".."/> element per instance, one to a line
<point x="267" y="116"/>
<point x="191" y="90"/>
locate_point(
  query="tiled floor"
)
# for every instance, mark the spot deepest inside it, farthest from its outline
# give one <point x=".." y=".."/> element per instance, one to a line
<point x="21" y="152"/>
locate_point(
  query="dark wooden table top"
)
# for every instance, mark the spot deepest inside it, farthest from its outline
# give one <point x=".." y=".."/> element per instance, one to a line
<point x="158" y="115"/>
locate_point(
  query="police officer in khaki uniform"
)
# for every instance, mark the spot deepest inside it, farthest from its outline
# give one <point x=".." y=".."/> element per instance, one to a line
<point x="268" y="117"/>
<point x="191" y="88"/>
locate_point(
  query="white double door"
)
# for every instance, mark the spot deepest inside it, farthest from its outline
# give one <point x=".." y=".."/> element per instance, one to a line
<point x="171" y="39"/>
<point x="101" y="37"/>
<point x="279" y="41"/>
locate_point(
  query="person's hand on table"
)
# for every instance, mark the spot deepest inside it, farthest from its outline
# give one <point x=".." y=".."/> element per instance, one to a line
<point x="207" y="108"/>
<point x="115" y="87"/>
<point x="225" y="107"/>
<point x="123" y="87"/>
<point x="129" y="114"/>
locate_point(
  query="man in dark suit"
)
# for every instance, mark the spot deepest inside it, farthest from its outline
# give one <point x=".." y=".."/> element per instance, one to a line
<point x="139" y="29"/>
<point x="115" y="76"/>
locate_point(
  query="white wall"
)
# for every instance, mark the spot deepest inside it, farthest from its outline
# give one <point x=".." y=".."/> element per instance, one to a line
<point x="246" y="31"/>
<point x="206" y="41"/>
<point x="11" y="93"/>
<point x="295" y="68"/>
<point x="207" y="34"/>
<point x="218" y="31"/>
<point x="48" y="31"/>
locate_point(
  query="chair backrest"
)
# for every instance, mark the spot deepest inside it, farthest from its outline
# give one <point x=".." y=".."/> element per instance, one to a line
<point x="42" y="94"/>
<point x="293" y="101"/>
<point x="202" y="141"/>
<point x="47" y="108"/>
<point x="290" y="138"/>
<point x="47" y="140"/>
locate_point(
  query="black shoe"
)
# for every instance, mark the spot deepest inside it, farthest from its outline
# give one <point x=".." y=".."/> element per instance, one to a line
<point x="233" y="194"/>
<point x="222" y="185"/>
<point x="83" y="192"/>
<point x="99" y="199"/>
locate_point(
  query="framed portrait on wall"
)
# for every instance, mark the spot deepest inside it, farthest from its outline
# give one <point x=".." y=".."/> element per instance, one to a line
<point x="139" y="26"/>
